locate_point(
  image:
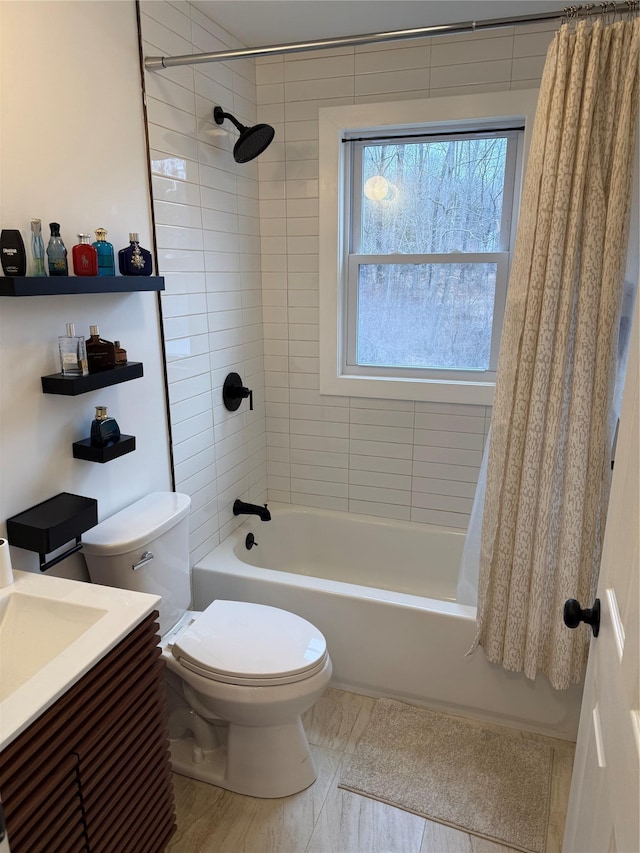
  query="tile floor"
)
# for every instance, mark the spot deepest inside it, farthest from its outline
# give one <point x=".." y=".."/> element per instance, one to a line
<point x="326" y="819"/>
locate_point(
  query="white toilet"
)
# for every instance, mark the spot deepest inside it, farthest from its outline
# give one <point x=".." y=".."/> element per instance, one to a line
<point x="239" y="675"/>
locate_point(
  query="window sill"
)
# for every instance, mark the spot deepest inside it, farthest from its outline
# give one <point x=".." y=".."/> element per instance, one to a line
<point x="422" y="390"/>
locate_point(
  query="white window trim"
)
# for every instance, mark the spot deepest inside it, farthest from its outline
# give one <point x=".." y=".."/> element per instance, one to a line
<point x="334" y="122"/>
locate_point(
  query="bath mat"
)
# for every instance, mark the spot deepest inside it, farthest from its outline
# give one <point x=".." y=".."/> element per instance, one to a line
<point x="456" y="772"/>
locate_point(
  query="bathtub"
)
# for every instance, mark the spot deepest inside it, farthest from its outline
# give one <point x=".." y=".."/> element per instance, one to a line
<point x="383" y="594"/>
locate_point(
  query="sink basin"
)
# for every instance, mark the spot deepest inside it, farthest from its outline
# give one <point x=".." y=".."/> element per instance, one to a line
<point x="33" y="631"/>
<point x="52" y="632"/>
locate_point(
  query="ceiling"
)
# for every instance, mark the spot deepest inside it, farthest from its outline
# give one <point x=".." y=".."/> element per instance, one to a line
<point x="263" y="22"/>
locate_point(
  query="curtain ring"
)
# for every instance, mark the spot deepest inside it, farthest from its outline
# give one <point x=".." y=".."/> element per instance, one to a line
<point x="572" y="13"/>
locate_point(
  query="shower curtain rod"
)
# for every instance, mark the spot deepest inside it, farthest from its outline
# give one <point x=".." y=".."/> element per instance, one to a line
<point x="153" y="63"/>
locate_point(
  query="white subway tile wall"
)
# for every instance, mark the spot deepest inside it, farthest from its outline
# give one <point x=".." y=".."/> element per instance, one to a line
<point x="239" y="248"/>
<point x="206" y="210"/>
<point x="394" y="459"/>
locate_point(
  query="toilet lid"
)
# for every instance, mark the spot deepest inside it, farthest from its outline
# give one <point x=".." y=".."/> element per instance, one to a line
<point x="242" y="643"/>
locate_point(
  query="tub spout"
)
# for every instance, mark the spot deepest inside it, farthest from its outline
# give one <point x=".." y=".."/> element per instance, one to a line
<point x="240" y="507"/>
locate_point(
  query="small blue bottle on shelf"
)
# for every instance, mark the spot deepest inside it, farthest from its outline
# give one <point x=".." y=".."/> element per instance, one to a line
<point x="57" y="252"/>
<point x="134" y="260"/>
<point x="106" y="262"/>
<point x="104" y="429"/>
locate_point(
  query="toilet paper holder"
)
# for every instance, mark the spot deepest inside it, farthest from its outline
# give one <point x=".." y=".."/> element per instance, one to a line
<point x="51" y="524"/>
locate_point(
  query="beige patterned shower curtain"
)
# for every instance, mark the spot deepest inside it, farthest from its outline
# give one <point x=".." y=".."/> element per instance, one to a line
<point x="550" y="448"/>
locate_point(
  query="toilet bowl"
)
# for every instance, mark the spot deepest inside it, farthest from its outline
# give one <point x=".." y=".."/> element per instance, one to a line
<point x="239" y="676"/>
<point x="258" y="669"/>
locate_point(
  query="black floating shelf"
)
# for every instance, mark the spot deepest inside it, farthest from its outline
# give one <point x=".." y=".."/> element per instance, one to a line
<point x="71" y="386"/>
<point x="59" y="284"/>
<point x="87" y="451"/>
<point x="50" y="524"/>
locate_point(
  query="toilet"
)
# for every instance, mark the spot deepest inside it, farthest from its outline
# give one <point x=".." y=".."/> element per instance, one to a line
<point x="239" y="676"/>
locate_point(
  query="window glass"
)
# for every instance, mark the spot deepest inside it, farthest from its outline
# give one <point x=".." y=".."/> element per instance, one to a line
<point x="437" y="316"/>
<point x="444" y="195"/>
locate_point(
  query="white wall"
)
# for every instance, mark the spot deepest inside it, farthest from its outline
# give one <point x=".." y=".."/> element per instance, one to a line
<point x="206" y="212"/>
<point x="398" y="459"/>
<point x="72" y="149"/>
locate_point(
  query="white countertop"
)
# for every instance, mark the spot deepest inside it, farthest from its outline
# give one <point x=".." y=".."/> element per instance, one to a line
<point x="123" y="610"/>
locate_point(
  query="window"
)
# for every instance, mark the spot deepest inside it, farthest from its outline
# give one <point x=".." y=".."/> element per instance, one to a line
<point x="423" y="235"/>
<point x="428" y="251"/>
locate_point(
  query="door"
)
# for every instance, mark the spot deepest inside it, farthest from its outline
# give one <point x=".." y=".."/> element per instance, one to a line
<point x="605" y="786"/>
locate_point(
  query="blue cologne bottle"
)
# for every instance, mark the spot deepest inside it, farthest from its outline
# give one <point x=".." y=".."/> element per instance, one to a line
<point x="104" y="429"/>
<point x="134" y="260"/>
<point x="57" y="252"/>
<point x="106" y="263"/>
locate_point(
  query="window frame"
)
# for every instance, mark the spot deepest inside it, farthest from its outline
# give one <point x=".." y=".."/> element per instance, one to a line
<point x="467" y="113"/>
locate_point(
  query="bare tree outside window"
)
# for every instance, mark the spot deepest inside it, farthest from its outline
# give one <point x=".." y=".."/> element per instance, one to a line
<point x="435" y="316"/>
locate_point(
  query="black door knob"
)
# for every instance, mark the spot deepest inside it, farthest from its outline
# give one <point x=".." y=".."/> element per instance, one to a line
<point x="574" y="615"/>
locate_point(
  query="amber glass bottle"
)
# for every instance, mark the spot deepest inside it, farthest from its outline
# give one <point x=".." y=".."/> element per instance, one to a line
<point x="101" y="354"/>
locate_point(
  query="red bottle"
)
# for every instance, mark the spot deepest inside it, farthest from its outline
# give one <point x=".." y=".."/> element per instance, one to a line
<point x="85" y="257"/>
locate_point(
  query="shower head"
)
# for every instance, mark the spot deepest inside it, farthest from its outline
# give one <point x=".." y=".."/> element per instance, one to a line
<point x="252" y="140"/>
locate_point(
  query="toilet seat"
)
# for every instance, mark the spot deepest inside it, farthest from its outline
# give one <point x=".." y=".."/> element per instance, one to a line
<point x="254" y="645"/>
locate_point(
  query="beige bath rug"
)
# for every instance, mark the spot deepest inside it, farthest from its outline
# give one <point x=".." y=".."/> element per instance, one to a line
<point x="480" y="780"/>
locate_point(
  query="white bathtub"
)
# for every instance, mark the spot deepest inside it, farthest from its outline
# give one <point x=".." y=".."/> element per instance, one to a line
<point x="383" y="594"/>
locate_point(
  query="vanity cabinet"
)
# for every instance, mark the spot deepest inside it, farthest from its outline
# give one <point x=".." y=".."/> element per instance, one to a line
<point x="92" y="773"/>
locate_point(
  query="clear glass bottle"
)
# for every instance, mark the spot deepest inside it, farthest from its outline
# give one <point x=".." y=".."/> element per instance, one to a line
<point x="73" y="353"/>
<point x="57" y="252"/>
<point x="37" y="248"/>
<point x="85" y="257"/>
<point x="101" y="354"/>
<point x="121" y="354"/>
<point x="134" y="260"/>
<point x="104" y="429"/>
<point x="106" y="262"/>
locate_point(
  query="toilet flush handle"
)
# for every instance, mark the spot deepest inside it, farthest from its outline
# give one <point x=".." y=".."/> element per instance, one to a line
<point x="144" y="559"/>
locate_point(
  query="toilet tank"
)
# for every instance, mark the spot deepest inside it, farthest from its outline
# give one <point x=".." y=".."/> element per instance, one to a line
<point x="145" y="547"/>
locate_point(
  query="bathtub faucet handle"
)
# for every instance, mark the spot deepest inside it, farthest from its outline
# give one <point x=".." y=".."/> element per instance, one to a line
<point x="234" y="392"/>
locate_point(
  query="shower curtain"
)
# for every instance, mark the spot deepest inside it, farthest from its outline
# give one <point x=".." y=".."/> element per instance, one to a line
<point x="548" y="467"/>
